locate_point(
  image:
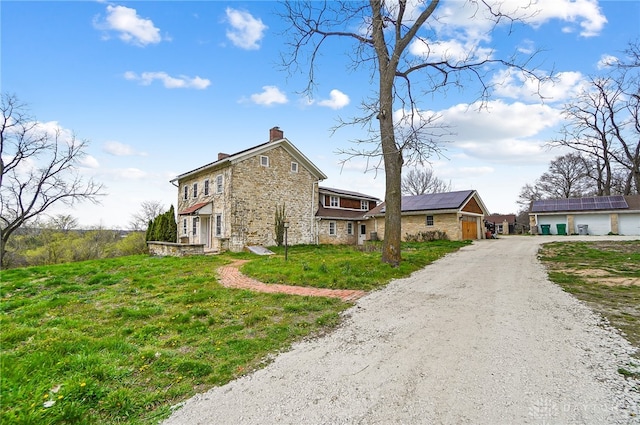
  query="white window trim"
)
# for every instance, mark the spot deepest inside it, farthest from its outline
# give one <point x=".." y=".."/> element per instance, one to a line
<point x="335" y="228"/>
<point x="195" y="190"/>
<point x="349" y="228"/>
<point x="364" y="205"/>
<point x="294" y="167"/>
<point x="205" y="188"/>
<point x="334" y="198"/>
<point x="186" y="192"/>
<point x="185" y="227"/>
<point x="219" y="183"/>
<point x="215" y="224"/>
<point x="264" y="160"/>
<point x="426" y="222"/>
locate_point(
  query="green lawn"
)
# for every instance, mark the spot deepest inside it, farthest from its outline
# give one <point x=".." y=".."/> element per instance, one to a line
<point x="119" y="341"/>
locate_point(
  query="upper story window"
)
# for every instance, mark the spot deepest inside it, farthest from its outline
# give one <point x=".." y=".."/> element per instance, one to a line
<point x="195" y="190"/>
<point x="219" y="183"/>
<point x="364" y="205"/>
<point x="429" y="220"/>
<point x="206" y="188"/>
<point x="334" y="201"/>
<point x="294" y="167"/>
<point x="264" y="161"/>
<point x="186" y="192"/>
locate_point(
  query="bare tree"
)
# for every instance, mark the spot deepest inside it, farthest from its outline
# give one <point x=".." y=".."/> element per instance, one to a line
<point x="421" y="181"/>
<point x="381" y="33"/>
<point x="567" y="177"/>
<point x="148" y="211"/>
<point x="64" y="222"/>
<point x="603" y="123"/>
<point x="38" y="168"/>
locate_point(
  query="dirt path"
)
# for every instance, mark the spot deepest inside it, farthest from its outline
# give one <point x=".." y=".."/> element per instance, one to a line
<point x="479" y="337"/>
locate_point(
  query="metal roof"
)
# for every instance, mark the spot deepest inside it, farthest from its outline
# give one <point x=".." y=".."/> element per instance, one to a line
<point x="594" y="203"/>
<point x="434" y="201"/>
<point x="347" y="193"/>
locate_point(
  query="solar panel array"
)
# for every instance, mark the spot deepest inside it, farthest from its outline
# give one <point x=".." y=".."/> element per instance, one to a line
<point x="596" y="203"/>
<point x="435" y="201"/>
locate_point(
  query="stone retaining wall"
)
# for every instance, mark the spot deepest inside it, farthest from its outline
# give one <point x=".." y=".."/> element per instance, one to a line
<point x="171" y="249"/>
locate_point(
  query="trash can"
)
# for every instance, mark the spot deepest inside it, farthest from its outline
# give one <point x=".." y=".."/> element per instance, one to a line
<point x="583" y="229"/>
<point x="562" y="228"/>
<point x="546" y="229"/>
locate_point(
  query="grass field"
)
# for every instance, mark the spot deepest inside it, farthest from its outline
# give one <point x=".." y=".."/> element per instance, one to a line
<point x="119" y="341"/>
<point x="605" y="275"/>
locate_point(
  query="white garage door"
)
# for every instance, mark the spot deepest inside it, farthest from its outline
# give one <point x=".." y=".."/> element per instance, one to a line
<point x="551" y="220"/>
<point x="629" y="224"/>
<point x="599" y="224"/>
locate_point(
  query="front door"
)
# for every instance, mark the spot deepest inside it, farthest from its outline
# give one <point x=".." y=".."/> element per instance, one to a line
<point x="362" y="234"/>
<point x="205" y="231"/>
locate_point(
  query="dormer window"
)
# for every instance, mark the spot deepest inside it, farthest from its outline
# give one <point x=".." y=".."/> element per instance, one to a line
<point x="264" y="161"/>
<point x="334" y="201"/>
<point x="364" y="205"/>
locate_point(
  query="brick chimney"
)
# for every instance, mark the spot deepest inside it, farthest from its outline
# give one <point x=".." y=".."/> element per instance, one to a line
<point x="275" y="134"/>
<point x="222" y="156"/>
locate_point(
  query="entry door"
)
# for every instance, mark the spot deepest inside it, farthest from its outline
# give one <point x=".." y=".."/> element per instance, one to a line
<point x="205" y="231"/>
<point x="362" y="234"/>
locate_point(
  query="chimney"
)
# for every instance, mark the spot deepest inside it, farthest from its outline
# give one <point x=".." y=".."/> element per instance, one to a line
<point x="275" y="134"/>
<point x="222" y="156"/>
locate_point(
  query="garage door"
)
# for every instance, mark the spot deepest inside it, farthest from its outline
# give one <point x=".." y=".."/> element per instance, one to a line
<point x="599" y="224"/>
<point x="469" y="228"/>
<point x="629" y="224"/>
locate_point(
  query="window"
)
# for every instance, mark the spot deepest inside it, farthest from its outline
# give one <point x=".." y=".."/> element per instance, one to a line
<point x="186" y="192"/>
<point x="349" y="228"/>
<point x="429" y="220"/>
<point x="184" y="226"/>
<point x="219" y="183"/>
<point x="264" y="161"/>
<point x="194" y="227"/>
<point x="195" y="190"/>
<point x="206" y="188"/>
<point x="332" y="228"/>
<point x="364" y="205"/>
<point x="294" y="167"/>
<point x="334" y="201"/>
<point x="218" y="225"/>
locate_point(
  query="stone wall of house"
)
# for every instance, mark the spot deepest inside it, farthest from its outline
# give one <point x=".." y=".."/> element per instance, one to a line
<point x="170" y="249"/>
<point x="342" y="237"/>
<point x="413" y="224"/>
<point x="256" y="190"/>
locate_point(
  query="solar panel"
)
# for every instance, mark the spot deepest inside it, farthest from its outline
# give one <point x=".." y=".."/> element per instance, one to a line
<point x="595" y="203"/>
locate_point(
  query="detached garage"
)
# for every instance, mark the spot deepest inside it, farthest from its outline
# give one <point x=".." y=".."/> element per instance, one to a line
<point x="598" y="215"/>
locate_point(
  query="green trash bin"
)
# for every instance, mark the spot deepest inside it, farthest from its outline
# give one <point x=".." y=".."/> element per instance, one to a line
<point x="562" y="229"/>
<point x="546" y="229"/>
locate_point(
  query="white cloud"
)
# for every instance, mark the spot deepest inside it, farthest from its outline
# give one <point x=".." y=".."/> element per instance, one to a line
<point x="565" y="85"/>
<point x="607" y="61"/>
<point x="474" y="22"/>
<point x="246" y="31"/>
<point x="452" y="51"/>
<point x="270" y="95"/>
<point x="169" y="82"/>
<point x="89" y="161"/>
<point x="130" y="27"/>
<point x="120" y="149"/>
<point x="337" y="100"/>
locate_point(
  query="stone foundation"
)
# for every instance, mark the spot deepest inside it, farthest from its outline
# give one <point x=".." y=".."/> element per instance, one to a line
<point x="171" y="249"/>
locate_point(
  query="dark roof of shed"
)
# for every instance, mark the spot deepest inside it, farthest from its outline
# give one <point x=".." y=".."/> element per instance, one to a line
<point x="501" y="218"/>
<point x="430" y="202"/>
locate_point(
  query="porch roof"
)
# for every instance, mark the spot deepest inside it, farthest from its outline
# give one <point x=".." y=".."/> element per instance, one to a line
<point x="194" y="208"/>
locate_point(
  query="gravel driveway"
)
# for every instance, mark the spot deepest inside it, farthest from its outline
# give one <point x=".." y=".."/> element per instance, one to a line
<point x="478" y="337"/>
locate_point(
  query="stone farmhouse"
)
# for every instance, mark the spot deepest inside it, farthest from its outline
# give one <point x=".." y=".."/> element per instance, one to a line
<point x="231" y="203"/>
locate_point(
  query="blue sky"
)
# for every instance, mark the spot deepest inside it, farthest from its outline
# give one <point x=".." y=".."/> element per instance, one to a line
<point x="159" y="88"/>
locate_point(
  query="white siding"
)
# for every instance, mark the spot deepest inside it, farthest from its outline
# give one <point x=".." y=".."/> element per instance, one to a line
<point x="629" y="224"/>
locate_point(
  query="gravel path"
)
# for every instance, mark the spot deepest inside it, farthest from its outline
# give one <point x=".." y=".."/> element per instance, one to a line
<point x="478" y="337"/>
